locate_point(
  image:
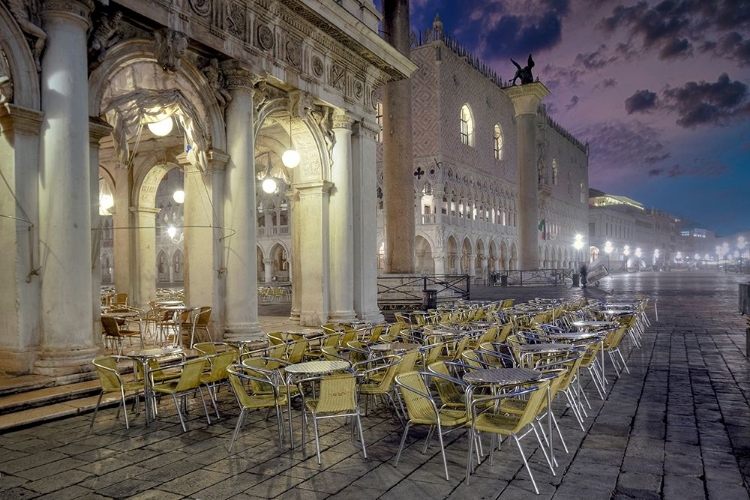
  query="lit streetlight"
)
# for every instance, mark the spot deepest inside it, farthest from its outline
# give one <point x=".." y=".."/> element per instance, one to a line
<point x="608" y="250"/>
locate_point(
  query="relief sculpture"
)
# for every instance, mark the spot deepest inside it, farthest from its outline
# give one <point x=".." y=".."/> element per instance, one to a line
<point x="27" y="14"/>
<point x="171" y="47"/>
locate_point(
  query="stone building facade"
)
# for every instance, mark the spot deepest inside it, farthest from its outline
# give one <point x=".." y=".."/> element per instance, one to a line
<point x="84" y="87"/>
<point x="467" y="169"/>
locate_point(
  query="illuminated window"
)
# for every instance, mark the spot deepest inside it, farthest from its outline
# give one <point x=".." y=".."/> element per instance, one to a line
<point x="467" y="126"/>
<point x="379" y="120"/>
<point x="498" y="137"/>
<point x="583" y="192"/>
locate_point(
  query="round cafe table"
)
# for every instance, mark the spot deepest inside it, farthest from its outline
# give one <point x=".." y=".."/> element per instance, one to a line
<point x="177" y="318"/>
<point x="143" y="356"/>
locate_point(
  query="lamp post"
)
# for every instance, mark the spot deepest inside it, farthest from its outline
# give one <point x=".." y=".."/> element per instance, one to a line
<point x="578" y="244"/>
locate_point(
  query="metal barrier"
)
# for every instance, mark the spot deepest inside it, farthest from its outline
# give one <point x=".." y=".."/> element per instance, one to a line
<point x="408" y="291"/>
<point x="536" y="277"/>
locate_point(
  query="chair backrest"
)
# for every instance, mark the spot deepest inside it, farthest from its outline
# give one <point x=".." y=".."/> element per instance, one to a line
<point x="106" y="368"/>
<point x="297" y="351"/>
<point x="448" y="392"/>
<point x="205" y="348"/>
<point x="110" y="326"/>
<point x="471" y="358"/>
<point x="190" y="378"/>
<point x="337" y="394"/>
<point x="416" y="397"/>
<point x="534" y="405"/>
<point x="235" y="374"/>
<point x="254" y="367"/>
<point x="120" y="298"/>
<point x="202" y="316"/>
<point x="408" y="360"/>
<point x="219" y="364"/>
<point x="275" y="338"/>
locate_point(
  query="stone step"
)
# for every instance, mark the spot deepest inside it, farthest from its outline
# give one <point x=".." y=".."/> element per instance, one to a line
<point x="32" y="416"/>
<point x="28" y="399"/>
<point x="24" y="383"/>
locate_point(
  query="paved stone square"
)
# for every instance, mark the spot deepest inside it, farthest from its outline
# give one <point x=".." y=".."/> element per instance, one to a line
<point x="676" y="427"/>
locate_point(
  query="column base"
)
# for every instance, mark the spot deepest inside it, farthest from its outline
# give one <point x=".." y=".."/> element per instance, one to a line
<point x="16" y="362"/>
<point x="341" y="317"/>
<point x="312" y="318"/>
<point x="244" y="331"/>
<point x="58" y="362"/>
<point x="374" y="317"/>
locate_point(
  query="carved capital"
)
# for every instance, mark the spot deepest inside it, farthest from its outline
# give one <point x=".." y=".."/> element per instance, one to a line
<point x="342" y="119"/>
<point x="79" y="10"/>
<point x="98" y="128"/>
<point x="368" y="128"/>
<point x="217" y="160"/>
<point x="237" y="76"/>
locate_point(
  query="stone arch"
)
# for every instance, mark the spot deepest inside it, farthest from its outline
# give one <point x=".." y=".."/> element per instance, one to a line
<point x="466" y="250"/>
<point x="479" y="269"/>
<point x="504" y="256"/>
<point x="513" y="261"/>
<point x="178" y="266"/>
<point x="22" y="67"/>
<point x="493" y="261"/>
<point x="280" y="255"/>
<point x="162" y="266"/>
<point x="138" y="53"/>
<point x="425" y="263"/>
<point x="451" y="255"/>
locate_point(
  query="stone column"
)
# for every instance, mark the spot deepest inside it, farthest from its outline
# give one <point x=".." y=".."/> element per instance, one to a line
<point x="64" y="193"/>
<point x="293" y="198"/>
<point x="439" y="258"/>
<point x="526" y="99"/>
<point x="312" y="284"/>
<point x="269" y="270"/>
<point x="97" y="130"/>
<point x="341" y="271"/>
<point x="240" y="207"/>
<point x="364" y="191"/>
<point x="144" y="278"/>
<point x="398" y="180"/>
<point x="472" y="264"/>
<point x="20" y="300"/>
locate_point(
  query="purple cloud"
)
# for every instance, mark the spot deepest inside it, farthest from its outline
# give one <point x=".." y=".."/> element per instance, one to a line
<point x="708" y="103"/>
<point x="642" y="101"/>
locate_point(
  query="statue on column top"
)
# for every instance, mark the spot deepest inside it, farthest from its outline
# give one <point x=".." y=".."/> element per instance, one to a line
<point x="171" y="47"/>
<point x="215" y="79"/>
<point x="524" y="74"/>
<point x="28" y="17"/>
<point x="105" y="35"/>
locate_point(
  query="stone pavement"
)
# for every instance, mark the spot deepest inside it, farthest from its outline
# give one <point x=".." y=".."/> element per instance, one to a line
<point x="676" y="427"/>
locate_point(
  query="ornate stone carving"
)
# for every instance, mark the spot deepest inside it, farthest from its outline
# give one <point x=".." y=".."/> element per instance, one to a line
<point x="374" y="99"/>
<point x="301" y="103"/>
<point x="237" y="76"/>
<point x="338" y="77"/>
<point x="359" y="90"/>
<point x="215" y="78"/>
<point x="317" y="66"/>
<point x="200" y="7"/>
<point x="261" y="94"/>
<point x="265" y="37"/>
<point x="28" y="17"/>
<point x="105" y="35"/>
<point x="171" y="47"/>
<point x="6" y="82"/>
<point x="324" y="120"/>
<point x="293" y="52"/>
<point x="236" y="20"/>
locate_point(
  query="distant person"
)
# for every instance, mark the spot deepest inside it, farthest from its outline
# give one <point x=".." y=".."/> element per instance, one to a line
<point x="584" y="273"/>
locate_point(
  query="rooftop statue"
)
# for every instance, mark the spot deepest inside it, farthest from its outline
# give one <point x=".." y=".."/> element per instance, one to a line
<point x="523" y="73"/>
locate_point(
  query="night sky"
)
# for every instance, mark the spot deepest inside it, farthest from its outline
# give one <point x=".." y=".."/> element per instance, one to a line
<point x="658" y="89"/>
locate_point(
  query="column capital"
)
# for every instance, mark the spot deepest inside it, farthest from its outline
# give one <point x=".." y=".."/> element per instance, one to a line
<point x="98" y="128"/>
<point x="239" y="76"/>
<point x="217" y="160"/>
<point x="18" y="119"/>
<point x="76" y="10"/>
<point x="526" y="98"/>
<point x="342" y="119"/>
<point x="311" y="187"/>
<point x="368" y="128"/>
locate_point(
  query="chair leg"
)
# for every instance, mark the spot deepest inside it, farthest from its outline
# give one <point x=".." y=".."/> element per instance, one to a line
<point x="470" y="458"/>
<point x="124" y="407"/>
<point x="525" y="462"/>
<point x="442" y="451"/>
<point x="179" y="413"/>
<point x="205" y="408"/>
<point x="317" y="439"/>
<point x="91" y="426"/>
<point x="237" y="428"/>
<point x="361" y="435"/>
<point x="544" y="449"/>
<point x="403" y="440"/>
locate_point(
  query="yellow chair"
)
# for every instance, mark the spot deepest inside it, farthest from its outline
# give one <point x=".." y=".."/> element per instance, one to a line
<point x="337" y="397"/>
<point x="504" y="424"/>
<point x="189" y="381"/>
<point x="421" y="409"/>
<point x="115" y="333"/>
<point x="113" y="381"/>
<point x="201" y="318"/>
<point x="217" y="374"/>
<point x="241" y="378"/>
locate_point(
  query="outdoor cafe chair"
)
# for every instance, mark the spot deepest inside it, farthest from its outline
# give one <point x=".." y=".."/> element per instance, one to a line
<point x="188" y="381"/>
<point x="244" y="382"/>
<point x="115" y="333"/>
<point x="493" y="420"/>
<point x="422" y="409"/>
<point x="217" y="374"/>
<point x="112" y="380"/>
<point x="336" y="398"/>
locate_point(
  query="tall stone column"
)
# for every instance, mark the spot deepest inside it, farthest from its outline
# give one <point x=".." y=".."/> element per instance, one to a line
<point x="295" y="268"/>
<point x="526" y="99"/>
<point x="240" y="207"/>
<point x="341" y="269"/>
<point x="313" y="284"/>
<point x="398" y="180"/>
<point x="64" y="193"/>
<point x="19" y="301"/>
<point x="97" y="130"/>
<point x="268" y="275"/>
<point x="439" y="258"/>
<point x="364" y="191"/>
<point x="144" y="279"/>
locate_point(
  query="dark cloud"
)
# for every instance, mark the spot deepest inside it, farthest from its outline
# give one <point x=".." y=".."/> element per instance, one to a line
<point x="676" y="48"/>
<point x="595" y="60"/>
<point x="708" y="103"/>
<point x="730" y="46"/>
<point x="700" y="168"/>
<point x="517" y="36"/>
<point x="617" y="145"/>
<point x="608" y="83"/>
<point x="572" y="104"/>
<point x="555" y="77"/>
<point x="642" y="101"/>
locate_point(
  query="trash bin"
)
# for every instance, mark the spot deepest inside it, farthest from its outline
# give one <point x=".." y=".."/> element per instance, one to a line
<point x="429" y="299"/>
<point x="504" y="280"/>
<point x="576" y="279"/>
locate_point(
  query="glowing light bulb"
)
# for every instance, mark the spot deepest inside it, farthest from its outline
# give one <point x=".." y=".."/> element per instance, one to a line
<point x="106" y="201"/>
<point x="269" y="185"/>
<point x="290" y="158"/>
<point x="162" y="127"/>
<point x="179" y="196"/>
<point x="171" y="231"/>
